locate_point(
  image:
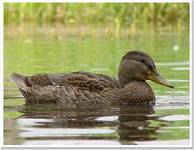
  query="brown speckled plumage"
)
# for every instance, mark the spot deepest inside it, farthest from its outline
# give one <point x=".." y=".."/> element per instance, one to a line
<point x="84" y="88"/>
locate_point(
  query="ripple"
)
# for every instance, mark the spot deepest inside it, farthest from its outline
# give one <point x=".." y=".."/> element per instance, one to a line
<point x="181" y="68"/>
<point x="183" y="127"/>
<point x="172" y="102"/>
<point x="32" y="122"/>
<point x="61" y="132"/>
<point x="175" y="118"/>
<point x="164" y="142"/>
<point x="173" y="63"/>
<point x="164" y="98"/>
<point x="72" y="142"/>
<point x="178" y="92"/>
<point x="108" y="118"/>
<point x="177" y="80"/>
<point x="99" y="69"/>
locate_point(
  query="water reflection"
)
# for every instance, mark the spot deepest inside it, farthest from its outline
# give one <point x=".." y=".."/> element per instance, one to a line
<point x="126" y="124"/>
<point x="134" y="124"/>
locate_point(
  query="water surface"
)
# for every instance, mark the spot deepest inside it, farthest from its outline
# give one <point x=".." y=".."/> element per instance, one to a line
<point x="165" y="123"/>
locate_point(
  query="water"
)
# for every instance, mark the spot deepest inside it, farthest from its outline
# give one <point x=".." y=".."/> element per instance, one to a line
<point x="163" y="124"/>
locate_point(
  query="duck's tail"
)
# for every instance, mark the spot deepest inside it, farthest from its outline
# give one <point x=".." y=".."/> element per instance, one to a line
<point x="19" y="80"/>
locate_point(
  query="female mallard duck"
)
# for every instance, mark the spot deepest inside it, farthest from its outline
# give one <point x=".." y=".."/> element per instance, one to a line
<point x="83" y="88"/>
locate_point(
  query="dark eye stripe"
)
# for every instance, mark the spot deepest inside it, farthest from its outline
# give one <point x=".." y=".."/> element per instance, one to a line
<point x="151" y="67"/>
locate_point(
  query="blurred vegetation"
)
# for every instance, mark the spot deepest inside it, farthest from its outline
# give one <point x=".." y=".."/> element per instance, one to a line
<point x="102" y="15"/>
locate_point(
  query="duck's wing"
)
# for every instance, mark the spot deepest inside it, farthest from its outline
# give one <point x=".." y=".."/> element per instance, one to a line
<point x="81" y="80"/>
<point x="75" y="88"/>
<point x="89" y="81"/>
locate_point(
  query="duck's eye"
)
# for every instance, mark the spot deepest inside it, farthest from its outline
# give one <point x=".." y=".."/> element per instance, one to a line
<point x="150" y="67"/>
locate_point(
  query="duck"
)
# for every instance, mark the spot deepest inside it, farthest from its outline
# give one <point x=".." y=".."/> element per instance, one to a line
<point x="82" y="88"/>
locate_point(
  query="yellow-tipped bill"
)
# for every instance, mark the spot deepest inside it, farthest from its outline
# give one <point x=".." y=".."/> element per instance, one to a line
<point x="154" y="76"/>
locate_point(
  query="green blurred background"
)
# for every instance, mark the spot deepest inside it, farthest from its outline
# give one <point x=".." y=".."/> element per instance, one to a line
<point x="110" y="16"/>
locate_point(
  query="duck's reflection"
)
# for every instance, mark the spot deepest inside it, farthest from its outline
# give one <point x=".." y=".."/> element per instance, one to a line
<point x="130" y="123"/>
<point x="134" y="124"/>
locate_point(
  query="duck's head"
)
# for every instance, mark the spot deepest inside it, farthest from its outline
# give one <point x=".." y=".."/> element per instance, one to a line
<point x="137" y="65"/>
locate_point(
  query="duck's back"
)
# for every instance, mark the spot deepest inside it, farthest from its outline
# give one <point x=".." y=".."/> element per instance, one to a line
<point x="75" y="88"/>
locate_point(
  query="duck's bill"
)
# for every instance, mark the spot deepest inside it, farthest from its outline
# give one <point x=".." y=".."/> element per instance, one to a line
<point x="159" y="79"/>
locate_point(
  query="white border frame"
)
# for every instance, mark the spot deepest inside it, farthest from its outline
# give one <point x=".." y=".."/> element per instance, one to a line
<point x="98" y="1"/>
<point x="94" y="146"/>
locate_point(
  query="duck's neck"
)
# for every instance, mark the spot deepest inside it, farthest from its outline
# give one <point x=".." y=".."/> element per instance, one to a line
<point x="125" y="79"/>
<point x="126" y="73"/>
